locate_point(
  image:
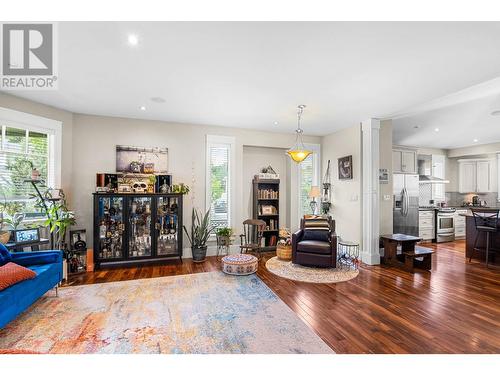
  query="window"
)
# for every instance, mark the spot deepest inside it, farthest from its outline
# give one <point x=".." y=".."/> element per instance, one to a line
<point x="308" y="177"/>
<point x="23" y="147"/>
<point x="219" y="175"/>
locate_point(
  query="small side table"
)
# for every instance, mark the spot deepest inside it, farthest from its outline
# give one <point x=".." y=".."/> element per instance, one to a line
<point x="348" y="254"/>
<point x="223" y="246"/>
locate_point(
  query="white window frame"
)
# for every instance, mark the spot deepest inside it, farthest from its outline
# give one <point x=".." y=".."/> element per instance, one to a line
<point x="53" y="128"/>
<point x="221" y="141"/>
<point x="316" y="149"/>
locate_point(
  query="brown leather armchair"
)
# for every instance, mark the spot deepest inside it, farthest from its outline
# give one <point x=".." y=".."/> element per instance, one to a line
<point x="309" y="252"/>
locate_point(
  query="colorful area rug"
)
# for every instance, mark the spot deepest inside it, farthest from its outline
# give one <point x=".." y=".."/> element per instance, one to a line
<point x="296" y="272"/>
<point x="200" y="313"/>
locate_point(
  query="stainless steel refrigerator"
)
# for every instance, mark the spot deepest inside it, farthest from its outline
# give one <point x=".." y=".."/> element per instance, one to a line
<point x="405" y="204"/>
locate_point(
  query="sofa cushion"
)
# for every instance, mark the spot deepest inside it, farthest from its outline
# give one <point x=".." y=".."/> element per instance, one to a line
<point x="316" y="223"/>
<point x="317" y="247"/>
<point x="316" y="235"/>
<point x="12" y="273"/>
<point x="5" y="256"/>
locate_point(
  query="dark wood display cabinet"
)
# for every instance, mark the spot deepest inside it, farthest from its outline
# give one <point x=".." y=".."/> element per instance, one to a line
<point x="136" y="228"/>
<point x="266" y="205"/>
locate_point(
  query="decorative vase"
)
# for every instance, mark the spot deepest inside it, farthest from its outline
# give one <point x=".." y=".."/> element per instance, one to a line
<point x="199" y="253"/>
<point x="4" y="236"/>
<point x="224" y="241"/>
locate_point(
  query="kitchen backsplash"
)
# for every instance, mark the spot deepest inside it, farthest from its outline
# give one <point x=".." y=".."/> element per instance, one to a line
<point x="457" y="199"/>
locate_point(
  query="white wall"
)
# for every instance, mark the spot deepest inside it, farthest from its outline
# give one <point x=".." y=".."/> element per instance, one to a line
<point x="254" y="159"/>
<point x="346" y="194"/>
<point x="95" y="138"/>
<point x="66" y="118"/>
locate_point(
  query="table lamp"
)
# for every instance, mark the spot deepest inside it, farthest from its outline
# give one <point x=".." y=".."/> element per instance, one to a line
<point x="314" y="193"/>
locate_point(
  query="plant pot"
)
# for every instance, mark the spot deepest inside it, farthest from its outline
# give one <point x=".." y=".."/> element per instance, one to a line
<point x="224" y="241"/>
<point x="4" y="236"/>
<point x="199" y="253"/>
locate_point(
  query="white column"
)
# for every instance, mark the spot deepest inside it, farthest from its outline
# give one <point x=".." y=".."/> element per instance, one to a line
<point x="498" y="177"/>
<point x="371" y="210"/>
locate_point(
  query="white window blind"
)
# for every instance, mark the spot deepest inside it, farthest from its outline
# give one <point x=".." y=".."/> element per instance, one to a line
<point x="22" y="148"/>
<point x="308" y="177"/>
<point x="219" y="183"/>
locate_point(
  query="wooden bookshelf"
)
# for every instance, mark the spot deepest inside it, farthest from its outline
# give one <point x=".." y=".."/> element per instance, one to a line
<point x="266" y="207"/>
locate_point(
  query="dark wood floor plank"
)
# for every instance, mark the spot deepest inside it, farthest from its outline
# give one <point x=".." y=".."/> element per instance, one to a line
<point x="455" y="308"/>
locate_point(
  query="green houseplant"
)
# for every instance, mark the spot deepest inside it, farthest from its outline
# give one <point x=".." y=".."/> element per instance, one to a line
<point x="198" y="236"/>
<point x="224" y="235"/>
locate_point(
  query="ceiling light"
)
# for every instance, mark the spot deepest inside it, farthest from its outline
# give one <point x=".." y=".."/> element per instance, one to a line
<point x="495" y="113"/>
<point x="142" y="108"/>
<point x="133" y="40"/>
<point x="416" y="127"/>
<point x="436" y="130"/>
<point x="276" y="123"/>
<point x="298" y="152"/>
<point x="157" y="99"/>
<point x="476" y="140"/>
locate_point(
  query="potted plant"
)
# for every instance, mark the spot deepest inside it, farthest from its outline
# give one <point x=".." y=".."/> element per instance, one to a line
<point x="200" y="231"/>
<point x="224" y="235"/>
<point x="4" y="234"/>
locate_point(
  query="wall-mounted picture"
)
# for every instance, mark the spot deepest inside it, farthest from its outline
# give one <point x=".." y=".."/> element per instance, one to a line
<point x="132" y="159"/>
<point x="345" y="168"/>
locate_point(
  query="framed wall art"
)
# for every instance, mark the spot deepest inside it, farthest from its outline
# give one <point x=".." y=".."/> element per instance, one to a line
<point x="132" y="159"/>
<point x="345" y="168"/>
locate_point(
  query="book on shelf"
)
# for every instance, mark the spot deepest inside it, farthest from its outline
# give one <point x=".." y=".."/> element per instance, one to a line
<point x="267" y="194"/>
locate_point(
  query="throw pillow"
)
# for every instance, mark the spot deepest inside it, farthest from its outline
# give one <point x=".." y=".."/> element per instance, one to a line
<point x="316" y="235"/>
<point x="5" y="256"/>
<point x="12" y="273"/>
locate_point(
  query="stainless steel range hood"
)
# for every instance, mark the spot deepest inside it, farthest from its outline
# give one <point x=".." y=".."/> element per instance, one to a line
<point x="425" y="171"/>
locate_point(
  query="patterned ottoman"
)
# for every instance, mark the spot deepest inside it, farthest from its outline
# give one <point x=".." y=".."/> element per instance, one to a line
<point x="239" y="264"/>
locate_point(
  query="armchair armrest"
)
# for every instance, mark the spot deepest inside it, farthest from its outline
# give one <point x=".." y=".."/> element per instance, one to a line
<point x="38" y="257"/>
<point x="333" y="245"/>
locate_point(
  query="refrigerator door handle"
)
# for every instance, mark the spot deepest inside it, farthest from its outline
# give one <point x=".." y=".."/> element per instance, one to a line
<point x="407" y="202"/>
<point x="404" y="209"/>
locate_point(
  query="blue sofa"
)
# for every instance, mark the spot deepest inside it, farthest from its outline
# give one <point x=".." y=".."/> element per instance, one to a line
<point x="48" y="266"/>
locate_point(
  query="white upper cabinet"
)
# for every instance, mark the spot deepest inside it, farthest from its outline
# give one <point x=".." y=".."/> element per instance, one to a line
<point x="438" y="170"/>
<point x="475" y="175"/>
<point x="404" y="161"/>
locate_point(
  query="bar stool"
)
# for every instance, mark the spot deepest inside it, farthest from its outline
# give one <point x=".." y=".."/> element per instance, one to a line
<point x="486" y="221"/>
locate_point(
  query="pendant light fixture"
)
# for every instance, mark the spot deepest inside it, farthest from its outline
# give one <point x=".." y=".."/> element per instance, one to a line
<point x="298" y="152"/>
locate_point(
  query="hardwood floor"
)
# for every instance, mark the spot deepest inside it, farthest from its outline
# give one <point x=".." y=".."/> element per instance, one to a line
<point x="455" y="308"/>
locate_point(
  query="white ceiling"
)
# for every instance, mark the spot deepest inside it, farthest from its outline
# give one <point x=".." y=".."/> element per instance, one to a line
<point x="252" y="74"/>
<point x="458" y="120"/>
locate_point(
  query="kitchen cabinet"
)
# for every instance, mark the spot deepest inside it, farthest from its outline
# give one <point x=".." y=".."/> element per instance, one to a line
<point x="475" y="176"/>
<point x="438" y="170"/>
<point x="459" y="222"/>
<point x="404" y="161"/>
<point x="426" y="225"/>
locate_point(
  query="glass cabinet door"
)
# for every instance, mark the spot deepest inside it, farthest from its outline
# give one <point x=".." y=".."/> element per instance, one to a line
<point x="111" y="227"/>
<point x="140" y="227"/>
<point x="167" y="226"/>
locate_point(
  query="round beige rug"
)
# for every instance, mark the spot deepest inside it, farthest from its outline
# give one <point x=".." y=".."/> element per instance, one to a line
<point x="296" y="272"/>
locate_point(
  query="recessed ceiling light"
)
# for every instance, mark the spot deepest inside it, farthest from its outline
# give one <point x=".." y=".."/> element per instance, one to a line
<point x="157" y="99"/>
<point x="475" y="140"/>
<point x="276" y="123"/>
<point x="142" y="108"/>
<point x="436" y="130"/>
<point x="495" y="113"/>
<point x="133" y="40"/>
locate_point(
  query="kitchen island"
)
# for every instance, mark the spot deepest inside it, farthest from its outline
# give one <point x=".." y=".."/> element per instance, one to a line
<point x="470" y="237"/>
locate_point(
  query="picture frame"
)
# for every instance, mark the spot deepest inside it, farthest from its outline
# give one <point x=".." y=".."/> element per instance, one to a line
<point x="147" y="160"/>
<point x="78" y="239"/>
<point x="345" y="168"/>
<point x="26" y="236"/>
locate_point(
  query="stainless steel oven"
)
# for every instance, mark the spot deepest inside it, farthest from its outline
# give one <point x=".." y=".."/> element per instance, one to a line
<point x="445" y="225"/>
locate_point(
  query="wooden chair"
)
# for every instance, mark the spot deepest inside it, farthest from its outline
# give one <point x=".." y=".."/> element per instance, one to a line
<point x="251" y="238"/>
